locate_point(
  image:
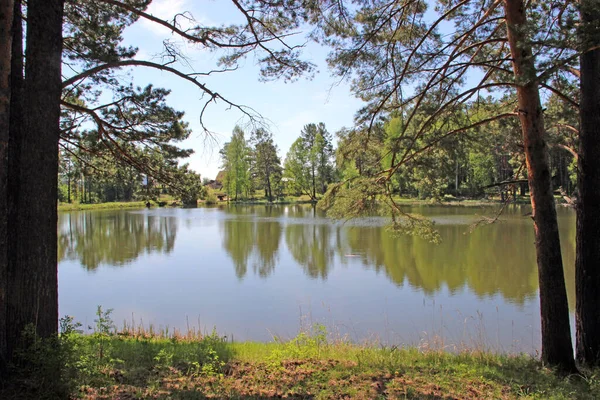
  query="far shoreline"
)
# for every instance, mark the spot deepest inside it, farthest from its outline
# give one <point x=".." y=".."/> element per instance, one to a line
<point x="402" y="201"/>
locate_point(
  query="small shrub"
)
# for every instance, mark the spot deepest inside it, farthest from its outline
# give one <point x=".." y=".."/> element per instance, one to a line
<point x="46" y="368"/>
<point x="105" y="328"/>
<point x="308" y="344"/>
<point x="205" y="357"/>
<point x="211" y="198"/>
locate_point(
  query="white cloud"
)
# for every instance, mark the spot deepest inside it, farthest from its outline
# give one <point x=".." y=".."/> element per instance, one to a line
<point x="167" y="10"/>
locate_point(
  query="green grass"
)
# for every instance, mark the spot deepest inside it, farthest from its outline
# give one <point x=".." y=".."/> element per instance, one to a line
<point x="115" y="205"/>
<point x="138" y="363"/>
<point x="259" y="198"/>
<point x="100" y="206"/>
<point x="452" y="201"/>
<point x="211" y="199"/>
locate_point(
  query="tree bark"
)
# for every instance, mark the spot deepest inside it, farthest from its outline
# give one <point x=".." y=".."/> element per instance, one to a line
<point x="556" y="334"/>
<point x="15" y="126"/>
<point x="268" y="182"/>
<point x="6" y="21"/>
<point x="314" y="184"/>
<point x="17" y="82"/>
<point x="33" y="288"/>
<point x="587" y="263"/>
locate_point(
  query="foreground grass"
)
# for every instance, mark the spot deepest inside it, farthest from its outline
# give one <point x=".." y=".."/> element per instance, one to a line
<point x="139" y="365"/>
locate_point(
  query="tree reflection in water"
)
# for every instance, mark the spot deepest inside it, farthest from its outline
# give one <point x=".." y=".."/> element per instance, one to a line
<point x="251" y="235"/>
<point x="113" y="237"/>
<point x="496" y="259"/>
<point x="493" y="259"/>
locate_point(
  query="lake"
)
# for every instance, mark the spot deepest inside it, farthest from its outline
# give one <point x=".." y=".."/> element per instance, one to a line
<point x="260" y="272"/>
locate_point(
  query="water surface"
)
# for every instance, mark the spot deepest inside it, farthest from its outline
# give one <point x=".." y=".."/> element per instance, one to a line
<point x="255" y="272"/>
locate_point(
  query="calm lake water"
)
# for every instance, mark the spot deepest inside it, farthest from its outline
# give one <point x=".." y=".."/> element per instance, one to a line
<point x="255" y="272"/>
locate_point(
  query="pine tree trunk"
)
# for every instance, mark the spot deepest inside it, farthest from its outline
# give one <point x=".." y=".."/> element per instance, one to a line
<point x="6" y="20"/>
<point x="587" y="264"/>
<point x="33" y="291"/>
<point x="14" y="150"/>
<point x="556" y="334"/>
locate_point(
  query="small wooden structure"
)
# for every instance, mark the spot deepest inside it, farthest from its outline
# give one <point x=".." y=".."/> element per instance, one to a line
<point x="214" y="185"/>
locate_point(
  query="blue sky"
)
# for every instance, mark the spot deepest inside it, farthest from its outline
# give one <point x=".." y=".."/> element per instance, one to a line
<point x="286" y="106"/>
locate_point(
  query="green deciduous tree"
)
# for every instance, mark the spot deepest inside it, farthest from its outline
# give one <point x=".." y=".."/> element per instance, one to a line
<point x="309" y="162"/>
<point x="235" y="156"/>
<point x="317" y="142"/>
<point x="266" y="166"/>
<point x="295" y="169"/>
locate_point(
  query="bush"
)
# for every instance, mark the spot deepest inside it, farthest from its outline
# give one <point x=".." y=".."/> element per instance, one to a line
<point x="45" y="368"/>
<point x="211" y="198"/>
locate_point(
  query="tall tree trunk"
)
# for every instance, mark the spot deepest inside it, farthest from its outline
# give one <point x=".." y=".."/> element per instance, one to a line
<point x="321" y="171"/>
<point x="556" y="334"/>
<point x="14" y="151"/>
<point x="314" y="184"/>
<point x="456" y="176"/>
<point x="268" y="181"/>
<point x="587" y="264"/>
<point x="33" y="291"/>
<point x="6" y="21"/>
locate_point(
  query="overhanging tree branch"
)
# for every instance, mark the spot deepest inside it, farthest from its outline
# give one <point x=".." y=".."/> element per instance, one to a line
<point x="214" y="96"/>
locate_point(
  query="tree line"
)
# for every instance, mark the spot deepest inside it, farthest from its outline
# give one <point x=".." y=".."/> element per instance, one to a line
<point x="254" y="164"/>
<point x="91" y="174"/>
<point x="482" y="162"/>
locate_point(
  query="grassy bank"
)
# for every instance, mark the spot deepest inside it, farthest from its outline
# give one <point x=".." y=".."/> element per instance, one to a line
<point x="285" y="200"/>
<point x="101" y="206"/>
<point x="163" y="201"/>
<point x="259" y="198"/>
<point x="136" y="365"/>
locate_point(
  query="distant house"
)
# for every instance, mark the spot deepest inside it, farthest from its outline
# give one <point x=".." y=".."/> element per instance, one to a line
<point x="217" y="183"/>
<point x="214" y="185"/>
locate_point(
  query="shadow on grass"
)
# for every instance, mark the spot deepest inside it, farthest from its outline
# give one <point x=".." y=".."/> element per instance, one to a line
<point x="194" y="367"/>
<point x="527" y="377"/>
<point x="191" y="395"/>
<point x="139" y="361"/>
